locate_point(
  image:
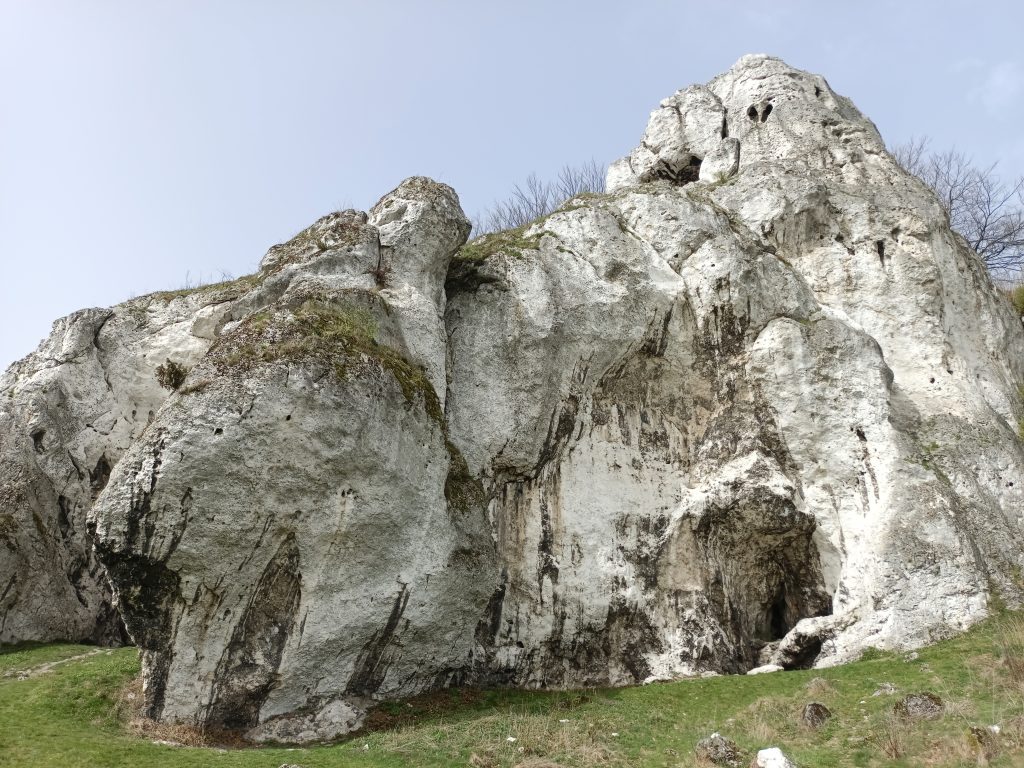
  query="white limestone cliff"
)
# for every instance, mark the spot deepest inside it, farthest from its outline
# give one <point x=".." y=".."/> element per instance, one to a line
<point x="755" y="405"/>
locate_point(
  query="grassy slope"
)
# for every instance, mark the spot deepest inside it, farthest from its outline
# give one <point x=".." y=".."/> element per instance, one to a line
<point x="67" y="716"/>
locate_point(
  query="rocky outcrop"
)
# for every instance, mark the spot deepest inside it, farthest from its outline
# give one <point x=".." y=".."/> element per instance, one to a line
<point x="294" y="533"/>
<point x="756" y="406"/>
<point x="777" y="420"/>
<point x="68" y="412"/>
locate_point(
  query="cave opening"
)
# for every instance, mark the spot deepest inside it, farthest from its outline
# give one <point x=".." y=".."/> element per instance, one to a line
<point x="777" y="624"/>
<point x="806" y="656"/>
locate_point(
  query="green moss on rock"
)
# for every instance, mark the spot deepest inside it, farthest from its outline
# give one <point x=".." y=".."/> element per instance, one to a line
<point x="340" y="335"/>
<point x="462" y="490"/>
<point x="511" y="242"/>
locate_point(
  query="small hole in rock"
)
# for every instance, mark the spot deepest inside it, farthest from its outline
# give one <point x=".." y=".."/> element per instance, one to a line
<point x="767" y="111"/>
<point x="288" y="417"/>
<point x="817" y="91"/>
<point x="880" y="247"/>
<point x="860" y="435"/>
<point x="218" y="431"/>
<point x="752" y="112"/>
<point x="37" y="440"/>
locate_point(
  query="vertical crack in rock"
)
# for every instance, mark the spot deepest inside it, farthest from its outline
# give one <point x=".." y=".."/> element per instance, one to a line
<point x="490" y="623"/>
<point x="248" y="669"/>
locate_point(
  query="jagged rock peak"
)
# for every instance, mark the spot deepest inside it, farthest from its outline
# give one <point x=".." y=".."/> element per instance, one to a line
<point x="771" y="110"/>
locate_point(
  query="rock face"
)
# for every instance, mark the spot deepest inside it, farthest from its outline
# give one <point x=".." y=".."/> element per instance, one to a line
<point x="68" y="412"/>
<point x="754" y="406"/>
<point x="294" y="530"/>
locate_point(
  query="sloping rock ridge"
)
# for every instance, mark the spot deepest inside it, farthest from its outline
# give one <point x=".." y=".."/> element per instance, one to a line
<point x="756" y="404"/>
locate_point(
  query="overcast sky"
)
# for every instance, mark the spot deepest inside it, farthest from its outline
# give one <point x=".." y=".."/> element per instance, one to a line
<point x="143" y="144"/>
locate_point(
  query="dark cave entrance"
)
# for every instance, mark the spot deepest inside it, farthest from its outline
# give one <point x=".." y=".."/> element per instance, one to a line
<point x="778" y="626"/>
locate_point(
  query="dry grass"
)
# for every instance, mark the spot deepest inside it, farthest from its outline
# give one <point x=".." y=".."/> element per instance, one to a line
<point x="515" y="740"/>
<point x="960" y="747"/>
<point x="765" y="718"/>
<point x="128" y="707"/>
<point x="820" y="688"/>
<point x="1010" y="639"/>
<point x="963" y="709"/>
<point x="892" y="737"/>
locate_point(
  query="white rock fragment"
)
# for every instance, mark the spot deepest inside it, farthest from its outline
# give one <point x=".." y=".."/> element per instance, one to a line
<point x="773" y="757"/>
<point x="765" y="668"/>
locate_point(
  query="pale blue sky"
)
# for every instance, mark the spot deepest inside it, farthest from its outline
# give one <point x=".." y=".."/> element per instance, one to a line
<point x="143" y="142"/>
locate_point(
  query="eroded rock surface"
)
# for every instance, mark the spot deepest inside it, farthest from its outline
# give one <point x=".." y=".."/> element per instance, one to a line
<point x="68" y="412"/>
<point x="777" y="416"/>
<point x="754" y="406"/>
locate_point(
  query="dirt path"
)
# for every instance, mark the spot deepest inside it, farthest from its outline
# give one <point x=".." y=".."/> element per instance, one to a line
<point x="42" y="669"/>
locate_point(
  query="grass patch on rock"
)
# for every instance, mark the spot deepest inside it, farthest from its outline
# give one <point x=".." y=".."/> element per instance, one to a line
<point x="1016" y="296"/>
<point x="226" y="290"/>
<point x="69" y="716"/>
<point x="511" y="242"/>
<point x="339" y="335"/>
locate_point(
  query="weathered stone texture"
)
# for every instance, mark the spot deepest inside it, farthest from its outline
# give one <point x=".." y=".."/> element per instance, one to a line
<point x="754" y="407"/>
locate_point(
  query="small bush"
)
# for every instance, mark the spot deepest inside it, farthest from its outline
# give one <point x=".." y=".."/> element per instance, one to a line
<point x="171" y="375"/>
<point x="1017" y="298"/>
<point x="537" y="198"/>
<point x="892" y="738"/>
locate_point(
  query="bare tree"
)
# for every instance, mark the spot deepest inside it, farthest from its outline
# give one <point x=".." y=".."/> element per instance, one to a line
<point x="535" y="198"/>
<point x="985" y="209"/>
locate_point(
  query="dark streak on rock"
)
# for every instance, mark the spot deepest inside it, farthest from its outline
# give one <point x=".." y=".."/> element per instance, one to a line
<point x="490" y="622"/>
<point x="247" y="671"/>
<point x="374" y="659"/>
<point x="99" y="476"/>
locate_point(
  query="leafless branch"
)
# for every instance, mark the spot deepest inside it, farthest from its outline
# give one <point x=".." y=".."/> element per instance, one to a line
<point x="985" y="209"/>
<point x="535" y="198"/>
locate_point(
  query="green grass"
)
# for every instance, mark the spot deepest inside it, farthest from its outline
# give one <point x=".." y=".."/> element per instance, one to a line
<point x="16" y="657"/>
<point x="68" y="717"/>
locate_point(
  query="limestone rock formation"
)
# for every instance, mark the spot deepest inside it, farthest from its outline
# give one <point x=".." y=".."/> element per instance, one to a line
<point x="755" y="406"/>
<point x="68" y="412"/>
<point x="294" y="526"/>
